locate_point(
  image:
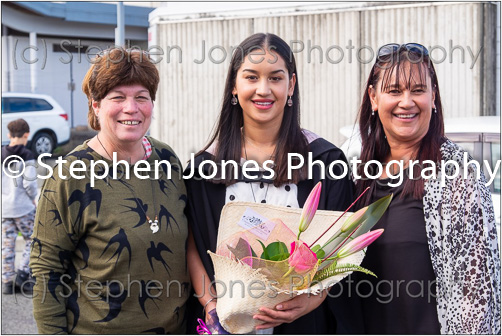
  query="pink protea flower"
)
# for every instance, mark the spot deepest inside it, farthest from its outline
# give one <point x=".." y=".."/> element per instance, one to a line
<point x="301" y="258"/>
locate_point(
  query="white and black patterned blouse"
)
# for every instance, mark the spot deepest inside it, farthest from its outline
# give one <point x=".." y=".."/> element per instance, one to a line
<point x="463" y="244"/>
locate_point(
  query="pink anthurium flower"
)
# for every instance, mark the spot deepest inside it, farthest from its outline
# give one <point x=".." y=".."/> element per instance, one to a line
<point x="359" y="243"/>
<point x="302" y="259"/>
<point x="310" y="208"/>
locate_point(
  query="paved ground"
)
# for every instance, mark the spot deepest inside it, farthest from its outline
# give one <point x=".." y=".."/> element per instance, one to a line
<point x="17" y="309"/>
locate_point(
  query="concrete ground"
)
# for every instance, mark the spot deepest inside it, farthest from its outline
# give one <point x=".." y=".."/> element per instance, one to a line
<point x="17" y="309"/>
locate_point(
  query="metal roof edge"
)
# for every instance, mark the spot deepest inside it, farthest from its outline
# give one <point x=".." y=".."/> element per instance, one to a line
<point x="158" y="16"/>
<point x="89" y="12"/>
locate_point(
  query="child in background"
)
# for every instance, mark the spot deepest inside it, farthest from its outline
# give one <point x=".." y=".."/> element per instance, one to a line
<point x="18" y="206"/>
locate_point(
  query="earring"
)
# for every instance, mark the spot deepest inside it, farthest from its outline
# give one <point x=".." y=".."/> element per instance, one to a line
<point x="290" y="101"/>
<point x="434" y="110"/>
<point x="373" y="112"/>
<point x="234" y="100"/>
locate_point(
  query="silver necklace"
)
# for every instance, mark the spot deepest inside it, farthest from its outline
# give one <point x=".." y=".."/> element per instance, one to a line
<point x="250" y="184"/>
<point x="154" y="224"/>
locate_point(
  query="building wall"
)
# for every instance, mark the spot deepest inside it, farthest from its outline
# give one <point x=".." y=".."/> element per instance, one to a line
<point x="93" y="28"/>
<point x="52" y="71"/>
<point x="190" y="93"/>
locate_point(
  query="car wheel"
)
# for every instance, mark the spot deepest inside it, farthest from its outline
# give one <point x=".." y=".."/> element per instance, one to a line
<point x="42" y="143"/>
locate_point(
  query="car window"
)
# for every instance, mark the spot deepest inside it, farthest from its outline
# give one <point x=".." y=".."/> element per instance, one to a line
<point x="42" y="105"/>
<point x="495" y="152"/>
<point x="19" y="104"/>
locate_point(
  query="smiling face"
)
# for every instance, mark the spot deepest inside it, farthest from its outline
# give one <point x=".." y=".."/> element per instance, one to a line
<point x="404" y="105"/>
<point x="262" y="85"/>
<point x="125" y="114"/>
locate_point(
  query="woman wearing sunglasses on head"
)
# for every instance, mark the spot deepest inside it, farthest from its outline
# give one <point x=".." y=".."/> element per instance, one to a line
<point x="260" y="121"/>
<point x="438" y="262"/>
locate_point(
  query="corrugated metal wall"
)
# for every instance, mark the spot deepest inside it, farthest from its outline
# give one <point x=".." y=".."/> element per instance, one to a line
<point x="190" y="93"/>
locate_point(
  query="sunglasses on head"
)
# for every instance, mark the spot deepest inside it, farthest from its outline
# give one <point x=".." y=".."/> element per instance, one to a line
<point x="391" y="48"/>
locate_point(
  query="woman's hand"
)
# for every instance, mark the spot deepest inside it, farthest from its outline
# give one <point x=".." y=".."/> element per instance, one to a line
<point x="288" y="311"/>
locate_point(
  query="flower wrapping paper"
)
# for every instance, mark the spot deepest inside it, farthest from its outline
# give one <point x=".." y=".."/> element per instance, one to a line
<point x="242" y="289"/>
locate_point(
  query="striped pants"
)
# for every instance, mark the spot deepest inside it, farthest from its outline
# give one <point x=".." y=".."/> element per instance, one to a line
<point x="10" y="229"/>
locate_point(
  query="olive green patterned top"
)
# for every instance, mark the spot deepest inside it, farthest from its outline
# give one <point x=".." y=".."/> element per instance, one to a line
<point x="98" y="265"/>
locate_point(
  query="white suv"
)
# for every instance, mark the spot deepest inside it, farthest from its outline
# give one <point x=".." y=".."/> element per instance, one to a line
<point x="48" y="121"/>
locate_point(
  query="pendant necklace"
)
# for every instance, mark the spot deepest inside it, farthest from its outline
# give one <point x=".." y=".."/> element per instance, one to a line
<point x="154" y="224"/>
<point x="250" y="184"/>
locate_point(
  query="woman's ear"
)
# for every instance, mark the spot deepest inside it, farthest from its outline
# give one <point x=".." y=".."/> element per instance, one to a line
<point x="434" y="98"/>
<point x="373" y="98"/>
<point x="95" y="106"/>
<point x="292" y="83"/>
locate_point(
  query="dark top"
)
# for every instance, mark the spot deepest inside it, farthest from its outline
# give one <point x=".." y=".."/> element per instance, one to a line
<point x="206" y="200"/>
<point x="402" y="299"/>
<point x="18" y="150"/>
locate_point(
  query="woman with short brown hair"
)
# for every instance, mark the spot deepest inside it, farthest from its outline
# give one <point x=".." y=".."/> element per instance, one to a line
<point x="109" y="254"/>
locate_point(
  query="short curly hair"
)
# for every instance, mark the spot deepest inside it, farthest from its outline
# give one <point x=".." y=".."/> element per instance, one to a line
<point x="114" y="67"/>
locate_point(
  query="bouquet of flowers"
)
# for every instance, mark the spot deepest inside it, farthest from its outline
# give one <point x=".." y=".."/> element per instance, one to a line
<point x="261" y="261"/>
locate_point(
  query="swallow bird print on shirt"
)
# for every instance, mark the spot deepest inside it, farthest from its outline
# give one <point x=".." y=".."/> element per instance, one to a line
<point x="145" y="295"/>
<point x="37" y="241"/>
<point x="164" y="154"/>
<point x="163" y="186"/>
<point x="72" y="305"/>
<point x="183" y="198"/>
<point x="84" y="251"/>
<point x="85" y="199"/>
<point x="165" y="213"/>
<point x="121" y="239"/>
<point x="82" y="154"/>
<point x="138" y="209"/>
<point x="116" y="296"/>
<point x="156" y="253"/>
<point x="57" y="217"/>
<point x="54" y="282"/>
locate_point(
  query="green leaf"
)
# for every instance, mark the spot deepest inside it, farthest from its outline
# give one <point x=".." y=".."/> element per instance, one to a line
<point x="318" y="251"/>
<point x="264" y="254"/>
<point x="277" y="251"/>
<point x="316" y="248"/>
<point x="371" y="216"/>
<point x="335" y="269"/>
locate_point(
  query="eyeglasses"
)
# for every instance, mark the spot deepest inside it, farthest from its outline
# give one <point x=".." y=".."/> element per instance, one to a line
<point x="391" y="48"/>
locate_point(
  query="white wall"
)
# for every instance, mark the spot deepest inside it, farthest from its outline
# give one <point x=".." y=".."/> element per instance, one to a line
<point x="190" y="93"/>
<point x="53" y="72"/>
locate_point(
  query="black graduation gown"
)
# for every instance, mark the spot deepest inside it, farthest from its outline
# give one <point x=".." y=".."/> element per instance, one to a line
<point x="206" y="200"/>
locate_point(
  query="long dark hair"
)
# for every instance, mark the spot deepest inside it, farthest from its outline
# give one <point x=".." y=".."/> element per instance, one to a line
<point x="227" y="133"/>
<point x="374" y="143"/>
